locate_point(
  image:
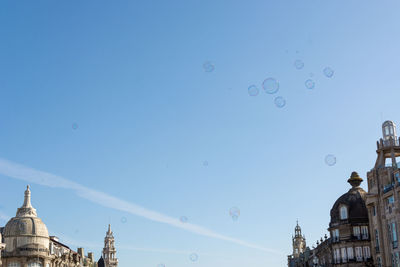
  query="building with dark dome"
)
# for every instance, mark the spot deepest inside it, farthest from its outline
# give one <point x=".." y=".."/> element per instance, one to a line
<point x="364" y="227"/>
<point x="25" y="242"/>
<point x="349" y="227"/>
<point x="349" y="241"/>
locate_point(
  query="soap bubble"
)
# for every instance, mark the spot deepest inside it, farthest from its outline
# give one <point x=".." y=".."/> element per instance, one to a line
<point x="330" y="160"/>
<point x="298" y="64"/>
<point x="270" y="85"/>
<point x="205" y="163"/>
<point x="253" y="90"/>
<point x="75" y="126"/>
<point x="328" y="72"/>
<point x="124" y="220"/>
<point x="279" y="101"/>
<point x="310" y="84"/>
<point x="208" y="66"/>
<point x="161" y="265"/>
<point x="234" y="212"/>
<point x="194" y="257"/>
<point x="183" y="219"/>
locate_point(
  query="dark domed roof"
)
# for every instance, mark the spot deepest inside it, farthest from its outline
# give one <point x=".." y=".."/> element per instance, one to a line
<point x="354" y="200"/>
<point x="100" y="263"/>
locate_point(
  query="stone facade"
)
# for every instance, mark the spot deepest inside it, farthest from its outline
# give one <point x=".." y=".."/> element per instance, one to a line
<point x="384" y="200"/>
<point x="25" y="242"/>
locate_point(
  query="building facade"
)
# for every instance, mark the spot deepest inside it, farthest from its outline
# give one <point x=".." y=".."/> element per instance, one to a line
<point x="25" y="242"/>
<point x="383" y="198"/>
<point x="349" y="241"/>
<point x="364" y="227"/>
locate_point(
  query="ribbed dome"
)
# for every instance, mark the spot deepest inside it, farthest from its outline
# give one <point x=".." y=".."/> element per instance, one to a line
<point x="25" y="226"/>
<point x="354" y="201"/>
<point x="25" y="229"/>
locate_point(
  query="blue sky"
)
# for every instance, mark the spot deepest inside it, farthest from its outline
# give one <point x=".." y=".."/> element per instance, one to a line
<point x="130" y="76"/>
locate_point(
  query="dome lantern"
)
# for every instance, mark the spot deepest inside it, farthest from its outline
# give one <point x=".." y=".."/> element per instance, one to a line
<point x="389" y="130"/>
<point x="355" y="180"/>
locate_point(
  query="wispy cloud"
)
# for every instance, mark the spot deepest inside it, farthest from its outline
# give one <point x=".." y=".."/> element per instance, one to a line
<point x="21" y="172"/>
<point x="4" y="217"/>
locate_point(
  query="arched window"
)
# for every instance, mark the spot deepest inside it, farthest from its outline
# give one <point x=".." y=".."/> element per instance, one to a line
<point x="343" y="212"/>
<point x="14" y="264"/>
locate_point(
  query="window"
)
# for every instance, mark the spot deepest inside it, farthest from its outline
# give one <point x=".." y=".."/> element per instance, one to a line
<point x="394" y="235"/>
<point x="358" y="253"/>
<point x="35" y="264"/>
<point x="390" y="200"/>
<point x="379" y="260"/>
<point x="335" y="235"/>
<point x="343" y="212"/>
<point x="356" y="232"/>
<point x="367" y="252"/>
<point x="344" y="255"/>
<point x="374" y="210"/>
<point x="396" y="259"/>
<point x="14" y="264"/>
<point x="296" y="251"/>
<point x="336" y="255"/>
<point x="350" y="253"/>
<point x="364" y="232"/>
<point x="377" y="241"/>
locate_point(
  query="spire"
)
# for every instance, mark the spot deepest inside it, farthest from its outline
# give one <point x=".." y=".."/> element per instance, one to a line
<point x="27" y="210"/>
<point x="109" y="250"/>
<point x="27" y="199"/>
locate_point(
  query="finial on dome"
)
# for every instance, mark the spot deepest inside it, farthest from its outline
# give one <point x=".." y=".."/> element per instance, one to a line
<point x="26" y="209"/>
<point x="109" y="229"/>
<point x="355" y="180"/>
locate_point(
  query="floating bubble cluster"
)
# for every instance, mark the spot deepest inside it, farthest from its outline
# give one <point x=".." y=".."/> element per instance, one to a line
<point x="330" y="160"/>
<point x="75" y="126"/>
<point x="279" y="101"/>
<point x="310" y="84"/>
<point x="208" y="66"/>
<point x="183" y="219"/>
<point x="161" y="265"/>
<point x="298" y="64"/>
<point x="205" y="163"/>
<point x="234" y="212"/>
<point x="194" y="257"/>
<point x="124" y="220"/>
<point x="253" y="90"/>
<point x="328" y="72"/>
<point x="270" y="85"/>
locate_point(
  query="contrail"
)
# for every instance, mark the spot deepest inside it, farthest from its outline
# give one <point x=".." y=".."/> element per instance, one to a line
<point x="21" y="172"/>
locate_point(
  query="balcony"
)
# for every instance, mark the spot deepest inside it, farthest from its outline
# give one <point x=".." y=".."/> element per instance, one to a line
<point x="387" y="188"/>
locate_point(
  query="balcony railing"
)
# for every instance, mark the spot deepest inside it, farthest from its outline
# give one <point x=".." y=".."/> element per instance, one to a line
<point x="387" y="188"/>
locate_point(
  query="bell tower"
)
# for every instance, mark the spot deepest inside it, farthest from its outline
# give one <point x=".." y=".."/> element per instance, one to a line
<point x="299" y="241"/>
<point x="388" y="147"/>
<point x="109" y="251"/>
